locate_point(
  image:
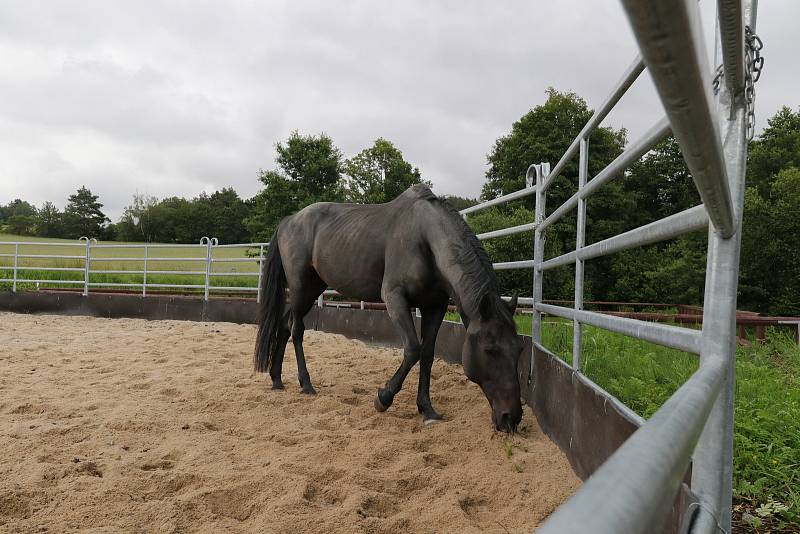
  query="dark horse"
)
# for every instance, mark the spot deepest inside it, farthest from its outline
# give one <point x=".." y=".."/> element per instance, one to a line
<point x="415" y="251"/>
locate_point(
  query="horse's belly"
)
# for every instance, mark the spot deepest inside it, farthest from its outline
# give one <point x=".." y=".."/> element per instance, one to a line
<point x="360" y="282"/>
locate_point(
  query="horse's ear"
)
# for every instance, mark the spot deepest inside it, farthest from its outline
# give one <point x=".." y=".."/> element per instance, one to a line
<point x="513" y="304"/>
<point x="485" y="307"/>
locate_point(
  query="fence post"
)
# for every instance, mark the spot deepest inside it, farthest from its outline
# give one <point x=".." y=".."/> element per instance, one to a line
<point x="86" y="265"/>
<point x="580" y="241"/>
<point x="538" y="253"/>
<point x="208" y="243"/>
<point x="16" y="262"/>
<point x="260" y="270"/>
<point x="320" y="302"/>
<point x="144" y="273"/>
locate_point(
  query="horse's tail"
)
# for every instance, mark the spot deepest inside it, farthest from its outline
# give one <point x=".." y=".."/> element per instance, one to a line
<point x="270" y="311"/>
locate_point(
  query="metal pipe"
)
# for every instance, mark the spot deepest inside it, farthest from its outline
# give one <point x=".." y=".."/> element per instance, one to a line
<point x="86" y="263"/>
<point x="713" y="458"/>
<point x="632" y="492"/>
<point x="16" y="260"/>
<point x="629" y="156"/>
<point x="580" y="239"/>
<point x="538" y="254"/>
<point x="671" y="41"/>
<point x="516" y="195"/>
<point x="731" y="27"/>
<point x="511" y="230"/>
<point x="522" y="193"/>
<point x="260" y="271"/>
<point x="684" y="339"/>
<point x="207" y="242"/>
<point x="678" y="224"/>
<point x="521" y="264"/>
<point x="144" y="274"/>
<point x="630" y="75"/>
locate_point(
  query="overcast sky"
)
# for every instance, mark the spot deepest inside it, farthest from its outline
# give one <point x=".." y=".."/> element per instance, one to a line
<point x="176" y="98"/>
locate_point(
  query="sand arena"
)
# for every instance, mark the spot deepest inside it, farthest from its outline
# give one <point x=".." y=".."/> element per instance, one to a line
<point x="134" y="425"/>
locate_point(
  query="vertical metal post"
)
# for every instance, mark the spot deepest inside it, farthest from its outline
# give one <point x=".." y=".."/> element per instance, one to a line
<point x="16" y="262"/>
<point x="798" y="324"/>
<point x="580" y="241"/>
<point x="144" y="273"/>
<point x="207" y="242"/>
<point x="538" y="253"/>
<point x="320" y="302"/>
<point x="542" y="170"/>
<point x="712" y="463"/>
<point x="86" y="265"/>
<point x="260" y="270"/>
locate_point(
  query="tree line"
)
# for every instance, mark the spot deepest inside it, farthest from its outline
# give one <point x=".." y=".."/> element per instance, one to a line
<point x="310" y="168"/>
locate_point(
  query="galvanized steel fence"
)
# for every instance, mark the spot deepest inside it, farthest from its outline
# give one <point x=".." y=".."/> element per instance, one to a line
<point x="94" y="255"/>
<point x="712" y="122"/>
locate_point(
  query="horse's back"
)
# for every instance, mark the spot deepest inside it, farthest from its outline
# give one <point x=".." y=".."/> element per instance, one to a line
<point x="347" y="244"/>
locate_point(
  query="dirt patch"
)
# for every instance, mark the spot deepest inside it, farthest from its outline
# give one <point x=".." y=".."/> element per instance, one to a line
<point x="162" y="425"/>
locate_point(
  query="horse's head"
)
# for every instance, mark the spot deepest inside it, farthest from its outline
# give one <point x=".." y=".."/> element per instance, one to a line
<point x="489" y="357"/>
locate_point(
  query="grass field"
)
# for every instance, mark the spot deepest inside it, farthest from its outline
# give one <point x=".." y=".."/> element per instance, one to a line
<point x="642" y="375"/>
<point x="767" y="417"/>
<point x="224" y="273"/>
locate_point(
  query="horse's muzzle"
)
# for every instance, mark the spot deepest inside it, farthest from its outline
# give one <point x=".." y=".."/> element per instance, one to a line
<point x="507" y="422"/>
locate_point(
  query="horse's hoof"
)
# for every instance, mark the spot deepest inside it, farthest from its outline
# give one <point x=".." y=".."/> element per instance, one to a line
<point x="309" y="390"/>
<point x="427" y="422"/>
<point x="379" y="405"/>
<point x="277" y="385"/>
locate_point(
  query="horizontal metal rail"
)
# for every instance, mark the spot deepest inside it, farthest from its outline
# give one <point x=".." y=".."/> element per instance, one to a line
<point x="115" y="271"/>
<point x="44" y="256"/>
<point x="516" y="195"/>
<point x="507" y="231"/>
<point x="647" y="469"/>
<point x="670" y="37"/>
<point x="38" y="243"/>
<point x="676" y="337"/>
<point x="233" y="288"/>
<point x="253" y="273"/>
<point x="39" y="281"/>
<point x="630" y="75"/>
<point x="506" y="265"/>
<point x="681" y="223"/>
<point x="629" y="156"/>
<point x="235" y="260"/>
<point x="20" y="268"/>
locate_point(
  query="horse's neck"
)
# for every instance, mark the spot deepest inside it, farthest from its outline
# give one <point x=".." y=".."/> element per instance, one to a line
<point x="465" y="278"/>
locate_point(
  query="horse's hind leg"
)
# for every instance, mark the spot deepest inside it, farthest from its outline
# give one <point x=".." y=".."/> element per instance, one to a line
<point x="276" y="365"/>
<point x="301" y="302"/>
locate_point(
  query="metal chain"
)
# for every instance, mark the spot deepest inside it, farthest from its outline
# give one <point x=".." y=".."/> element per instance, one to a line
<point x="754" y="63"/>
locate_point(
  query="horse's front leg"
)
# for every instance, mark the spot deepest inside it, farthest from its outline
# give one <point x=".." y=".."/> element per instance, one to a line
<point x="431" y="321"/>
<point x="400" y="313"/>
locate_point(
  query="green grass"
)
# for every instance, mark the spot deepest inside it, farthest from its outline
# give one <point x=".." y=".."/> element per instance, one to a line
<point x="105" y="259"/>
<point x="767" y="416"/>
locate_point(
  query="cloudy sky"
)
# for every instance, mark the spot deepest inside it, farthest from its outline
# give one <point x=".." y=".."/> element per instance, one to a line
<point x="180" y="97"/>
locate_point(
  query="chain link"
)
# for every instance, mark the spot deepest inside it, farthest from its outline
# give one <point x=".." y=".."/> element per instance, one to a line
<point x="754" y="63"/>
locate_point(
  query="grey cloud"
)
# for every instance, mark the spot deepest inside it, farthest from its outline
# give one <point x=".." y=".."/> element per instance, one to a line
<point x="179" y="97"/>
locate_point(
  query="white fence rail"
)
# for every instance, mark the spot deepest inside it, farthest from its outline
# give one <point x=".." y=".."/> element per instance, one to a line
<point x="94" y="255"/>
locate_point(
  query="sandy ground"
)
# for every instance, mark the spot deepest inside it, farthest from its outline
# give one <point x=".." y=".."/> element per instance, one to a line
<point x="132" y="425"/>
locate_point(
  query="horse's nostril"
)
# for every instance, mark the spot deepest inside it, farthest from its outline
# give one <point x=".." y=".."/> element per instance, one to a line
<point x="506" y="422"/>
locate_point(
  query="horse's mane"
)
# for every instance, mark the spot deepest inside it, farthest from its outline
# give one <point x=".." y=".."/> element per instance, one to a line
<point x="469" y="253"/>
